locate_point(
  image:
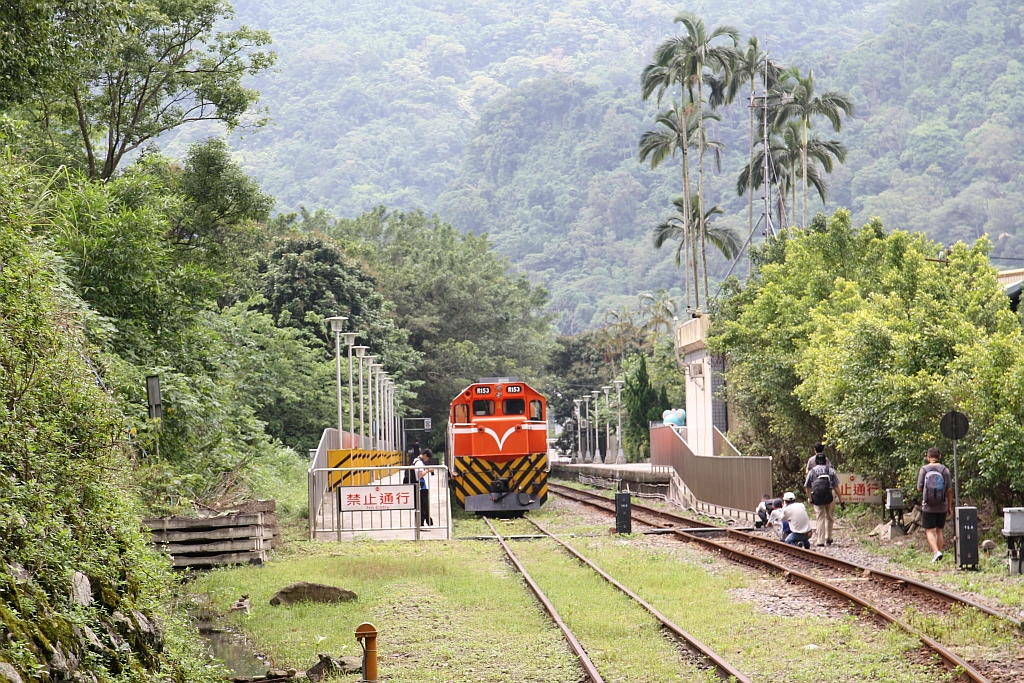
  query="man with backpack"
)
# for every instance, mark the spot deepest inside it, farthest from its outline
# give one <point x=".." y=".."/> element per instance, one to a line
<point x="822" y="486"/>
<point x="936" y="487"/>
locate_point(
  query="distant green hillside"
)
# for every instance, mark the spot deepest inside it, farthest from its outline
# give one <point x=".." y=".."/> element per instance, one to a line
<point x="940" y="145"/>
<point x="518" y="118"/>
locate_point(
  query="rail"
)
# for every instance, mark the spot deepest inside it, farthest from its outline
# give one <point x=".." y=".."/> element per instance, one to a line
<point x="724" y="670"/>
<point x="664" y="519"/>
<point x="577" y="648"/>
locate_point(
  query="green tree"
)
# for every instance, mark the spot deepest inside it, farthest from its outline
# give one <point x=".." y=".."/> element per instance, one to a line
<point x="166" y="66"/>
<point x="803" y="104"/>
<point x="644" y="403"/>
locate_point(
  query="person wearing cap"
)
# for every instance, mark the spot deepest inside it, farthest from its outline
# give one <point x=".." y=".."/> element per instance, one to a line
<point x="799" y="523"/>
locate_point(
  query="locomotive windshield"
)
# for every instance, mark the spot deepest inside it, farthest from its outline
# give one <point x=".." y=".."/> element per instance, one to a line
<point x="536" y="412"/>
<point x="461" y="413"/>
<point x="513" y="406"/>
<point x="483" y="407"/>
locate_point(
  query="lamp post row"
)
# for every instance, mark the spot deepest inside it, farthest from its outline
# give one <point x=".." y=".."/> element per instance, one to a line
<point x="377" y="401"/>
<point x="620" y="455"/>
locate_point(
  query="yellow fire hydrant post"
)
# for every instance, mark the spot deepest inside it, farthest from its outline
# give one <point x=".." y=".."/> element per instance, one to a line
<point x="367" y="635"/>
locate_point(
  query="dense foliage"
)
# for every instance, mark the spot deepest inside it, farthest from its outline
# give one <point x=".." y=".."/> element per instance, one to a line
<point x="65" y="506"/>
<point x="865" y="338"/>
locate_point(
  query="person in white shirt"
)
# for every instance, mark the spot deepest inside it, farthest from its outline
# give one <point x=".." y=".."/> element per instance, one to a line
<point x="799" y="523"/>
<point x="764" y="508"/>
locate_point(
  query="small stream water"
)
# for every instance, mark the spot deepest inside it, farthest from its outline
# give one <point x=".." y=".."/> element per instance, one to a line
<point x="229" y="648"/>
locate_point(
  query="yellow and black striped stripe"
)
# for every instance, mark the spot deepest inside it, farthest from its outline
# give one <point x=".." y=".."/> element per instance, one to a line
<point x="473" y="476"/>
<point x="355" y="458"/>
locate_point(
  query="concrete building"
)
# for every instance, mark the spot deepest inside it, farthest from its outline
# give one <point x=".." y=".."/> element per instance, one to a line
<point x="707" y="414"/>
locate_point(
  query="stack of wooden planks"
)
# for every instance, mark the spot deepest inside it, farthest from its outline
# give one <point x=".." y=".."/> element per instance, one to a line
<point x="243" y="535"/>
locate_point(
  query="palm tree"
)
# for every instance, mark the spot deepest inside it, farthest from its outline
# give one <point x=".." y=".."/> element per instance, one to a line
<point x="659" y="310"/>
<point x="803" y="105"/>
<point x="752" y="63"/>
<point x="785" y="153"/>
<point x="660" y="144"/>
<point x="724" y="239"/>
<point x="695" y="52"/>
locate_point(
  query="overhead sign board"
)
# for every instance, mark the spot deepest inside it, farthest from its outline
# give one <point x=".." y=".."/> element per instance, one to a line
<point x="856" y="489"/>
<point x="388" y="497"/>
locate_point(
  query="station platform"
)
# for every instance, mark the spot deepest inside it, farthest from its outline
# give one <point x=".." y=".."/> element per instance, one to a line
<point x="637" y="478"/>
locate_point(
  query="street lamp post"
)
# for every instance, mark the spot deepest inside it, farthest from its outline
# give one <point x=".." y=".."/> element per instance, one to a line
<point x="607" y="424"/>
<point x="350" y="339"/>
<point x="360" y="354"/>
<point x="586" y="410"/>
<point x="579" y="432"/>
<point x="597" y="423"/>
<point x="337" y="323"/>
<point x="370" y="365"/>
<point x="620" y="457"/>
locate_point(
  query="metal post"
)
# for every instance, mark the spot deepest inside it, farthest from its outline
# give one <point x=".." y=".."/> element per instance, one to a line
<point x="579" y="432"/>
<point x="369" y="401"/>
<point x="607" y="423"/>
<point x="597" y="426"/>
<point x="586" y="411"/>
<point x="367" y="634"/>
<point x="360" y="354"/>
<point x="956" y="477"/>
<point x="620" y="457"/>
<point x="337" y="323"/>
<point x="350" y="339"/>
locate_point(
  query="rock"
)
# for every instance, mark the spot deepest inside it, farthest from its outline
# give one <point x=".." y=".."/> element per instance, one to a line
<point x="93" y="639"/>
<point x="329" y="667"/>
<point x="81" y="589"/>
<point x="19" y="572"/>
<point x="149" y="630"/>
<point x="8" y="674"/>
<point x="292" y="672"/>
<point x="276" y="674"/>
<point x="303" y="591"/>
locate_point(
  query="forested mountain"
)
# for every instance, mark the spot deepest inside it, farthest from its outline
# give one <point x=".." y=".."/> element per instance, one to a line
<point x="937" y="144"/>
<point x="516" y="118"/>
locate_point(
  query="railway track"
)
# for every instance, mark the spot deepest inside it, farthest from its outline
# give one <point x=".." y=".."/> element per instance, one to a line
<point x="884" y="595"/>
<point x="708" y="657"/>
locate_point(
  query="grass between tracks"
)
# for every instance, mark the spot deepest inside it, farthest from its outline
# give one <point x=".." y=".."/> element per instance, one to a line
<point x="624" y="641"/>
<point x="446" y="611"/>
<point x="693" y="590"/>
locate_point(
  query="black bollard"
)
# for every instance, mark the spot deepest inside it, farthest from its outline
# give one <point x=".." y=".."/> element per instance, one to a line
<point x="623" y="513"/>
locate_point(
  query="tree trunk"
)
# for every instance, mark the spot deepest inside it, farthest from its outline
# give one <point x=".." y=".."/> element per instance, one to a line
<point x="686" y="197"/>
<point x="750" y="179"/>
<point x="700" y="174"/>
<point x="803" y="166"/>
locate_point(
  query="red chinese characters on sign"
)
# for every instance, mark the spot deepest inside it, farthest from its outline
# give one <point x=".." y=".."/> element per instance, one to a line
<point x="363" y="498"/>
<point x="856" y="489"/>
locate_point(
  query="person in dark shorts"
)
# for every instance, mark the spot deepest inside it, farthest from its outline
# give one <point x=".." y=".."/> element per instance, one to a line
<point x="936" y="487"/>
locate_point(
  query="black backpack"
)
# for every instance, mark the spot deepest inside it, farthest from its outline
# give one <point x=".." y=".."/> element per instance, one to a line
<point x="821" y="486"/>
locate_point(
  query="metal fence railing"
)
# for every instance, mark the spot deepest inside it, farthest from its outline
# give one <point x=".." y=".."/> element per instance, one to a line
<point x="722" y="481"/>
<point x="376" y="500"/>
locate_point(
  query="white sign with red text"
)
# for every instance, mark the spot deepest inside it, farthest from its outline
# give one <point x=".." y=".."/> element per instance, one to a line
<point x="362" y="498"/>
<point x="856" y="489"/>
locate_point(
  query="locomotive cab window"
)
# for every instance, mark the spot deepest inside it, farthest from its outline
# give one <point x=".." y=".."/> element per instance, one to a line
<point x="536" y="412"/>
<point x="461" y="413"/>
<point x="513" y="406"/>
<point x="483" y="407"/>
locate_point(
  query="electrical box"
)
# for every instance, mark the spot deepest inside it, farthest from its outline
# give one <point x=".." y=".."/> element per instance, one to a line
<point x="967" y="536"/>
<point x="1013" y="521"/>
<point x="894" y="499"/>
<point x="623" y="513"/>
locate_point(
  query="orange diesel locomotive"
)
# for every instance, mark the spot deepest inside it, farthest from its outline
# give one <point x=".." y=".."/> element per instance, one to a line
<point x="497" y="435"/>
